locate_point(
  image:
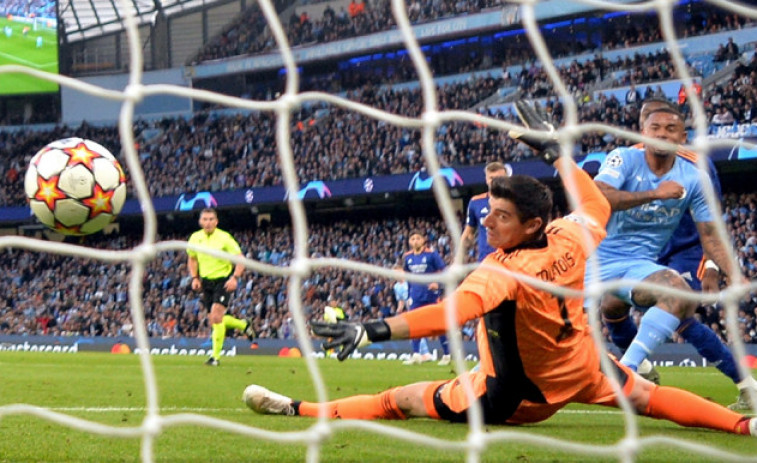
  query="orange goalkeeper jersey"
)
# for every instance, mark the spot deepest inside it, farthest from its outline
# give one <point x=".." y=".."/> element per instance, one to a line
<point x="532" y="343"/>
<point x="526" y="336"/>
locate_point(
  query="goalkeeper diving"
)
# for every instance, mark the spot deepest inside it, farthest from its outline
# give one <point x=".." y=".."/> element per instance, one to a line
<point x="537" y="353"/>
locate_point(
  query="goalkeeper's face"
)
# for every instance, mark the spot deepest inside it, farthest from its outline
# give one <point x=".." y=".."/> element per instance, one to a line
<point x="504" y="228"/>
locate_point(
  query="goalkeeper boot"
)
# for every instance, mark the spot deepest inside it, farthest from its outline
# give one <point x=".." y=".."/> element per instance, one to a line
<point x="266" y="402"/>
<point x="212" y="362"/>
<point x="747" y="426"/>
<point x="743" y="402"/>
<point x="446" y="359"/>
<point x="249" y="330"/>
<point x="649" y="372"/>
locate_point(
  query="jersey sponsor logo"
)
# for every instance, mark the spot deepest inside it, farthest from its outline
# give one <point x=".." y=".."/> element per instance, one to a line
<point x="654" y="213"/>
<point x="557" y="268"/>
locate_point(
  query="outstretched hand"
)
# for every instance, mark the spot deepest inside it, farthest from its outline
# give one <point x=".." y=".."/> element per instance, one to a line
<point x="533" y="117"/>
<point x="346" y="336"/>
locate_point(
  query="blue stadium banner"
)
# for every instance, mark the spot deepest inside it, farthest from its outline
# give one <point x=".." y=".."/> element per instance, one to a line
<point x="319" y="190"/>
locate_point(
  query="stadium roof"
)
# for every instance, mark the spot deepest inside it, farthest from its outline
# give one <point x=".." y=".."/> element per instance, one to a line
<point x="91" y="18"/>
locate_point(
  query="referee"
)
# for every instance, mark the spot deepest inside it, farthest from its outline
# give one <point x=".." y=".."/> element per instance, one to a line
<point x="217" y="278"/>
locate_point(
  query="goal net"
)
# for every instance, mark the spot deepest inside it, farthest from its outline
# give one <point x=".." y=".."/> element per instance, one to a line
<point x="478" y="439"/>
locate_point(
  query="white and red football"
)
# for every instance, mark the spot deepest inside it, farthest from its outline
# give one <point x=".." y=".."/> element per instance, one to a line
<point x="75" y="186"/>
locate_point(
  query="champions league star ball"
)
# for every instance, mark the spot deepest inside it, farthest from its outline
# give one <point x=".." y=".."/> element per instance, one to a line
<point x="75" y="186"/>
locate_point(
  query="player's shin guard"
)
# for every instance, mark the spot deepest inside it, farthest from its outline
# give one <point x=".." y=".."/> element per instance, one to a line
<point x="360" y="407"/>
<point x="655" y="328"/>
<point x="687" y="409"/>
<point x="217" y="337"/>
<point x="709" y="345"/>
<point x="622" y="331"/>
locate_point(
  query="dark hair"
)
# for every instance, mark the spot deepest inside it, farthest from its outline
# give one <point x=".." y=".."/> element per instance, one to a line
<point x="664" y="109"/>
<point x="417" y="231"/>
<point x="654" y="100"/>
<point x="531" y="197"/>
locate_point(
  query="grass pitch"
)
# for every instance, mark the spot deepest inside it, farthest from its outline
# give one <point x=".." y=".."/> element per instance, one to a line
<point x="108" y="389"/>
<point x="23" y="50"/>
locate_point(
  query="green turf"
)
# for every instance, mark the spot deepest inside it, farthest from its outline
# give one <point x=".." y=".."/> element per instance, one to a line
<point x="108" y="389"/>
<point x="22" y="50"/>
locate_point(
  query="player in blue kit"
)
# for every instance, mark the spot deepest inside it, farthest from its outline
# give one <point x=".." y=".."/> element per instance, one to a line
<point x="683" y="253"/>
<point x="421" y="259"/>
<point x="650" y="189"/>
<point x="478" y="209"/>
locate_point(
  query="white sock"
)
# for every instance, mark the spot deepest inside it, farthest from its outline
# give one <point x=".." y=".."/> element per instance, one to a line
<point x="645" y="367"/>
<point x="747" y="383"/>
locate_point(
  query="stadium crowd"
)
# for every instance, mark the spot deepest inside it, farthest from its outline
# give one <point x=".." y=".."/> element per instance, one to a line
<point x="248" y="33"/>
<point x="72" y="296"/>
<point x="213" y="151"/>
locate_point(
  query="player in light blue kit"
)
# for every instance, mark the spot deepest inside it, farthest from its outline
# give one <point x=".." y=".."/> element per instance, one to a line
<point x="684" y="254"/>
<point x="649" y="190"/>
<point x="421" y="259"/>
<point x="478" y="208"/>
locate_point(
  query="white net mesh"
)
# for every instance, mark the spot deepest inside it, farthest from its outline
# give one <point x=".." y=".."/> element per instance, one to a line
<point x="477" y="439"/>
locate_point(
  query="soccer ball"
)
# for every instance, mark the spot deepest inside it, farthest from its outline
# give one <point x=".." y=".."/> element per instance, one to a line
<point x="75" y="186"/>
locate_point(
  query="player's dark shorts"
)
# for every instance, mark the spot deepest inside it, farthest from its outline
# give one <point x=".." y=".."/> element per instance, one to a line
<point x="447" y="399"/>
<point x="213" y="292"/>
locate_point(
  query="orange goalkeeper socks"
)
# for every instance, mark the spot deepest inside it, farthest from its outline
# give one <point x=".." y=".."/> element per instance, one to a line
<point x="688" y="409"/>
<point x="359" y="407"/>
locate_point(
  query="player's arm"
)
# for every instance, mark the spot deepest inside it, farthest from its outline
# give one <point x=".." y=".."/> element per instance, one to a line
<point x="709" y="274"/>
<point x="593" y="204"/>
<point x="715" y="250"/>
<point x="621" y="200"/>
<point x="232" y="247"/>
<point x="425" y="321"/>
<point x="194" y="271"/>
<point x="468" y="236"/>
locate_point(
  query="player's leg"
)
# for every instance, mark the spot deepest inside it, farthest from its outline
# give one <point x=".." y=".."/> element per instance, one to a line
<point x="618" y="321"/>
<point x="446" y="359"/>
<point x="712" y="348"/>
<point x="445" y="400"/>
<point x="663" y="316"/>
<point x="218" y="333"/>
<point x="416" y="357"/>
<point x="669" y="403"/>
<point x="393" y="404"/>
<point x="245" y="326"/>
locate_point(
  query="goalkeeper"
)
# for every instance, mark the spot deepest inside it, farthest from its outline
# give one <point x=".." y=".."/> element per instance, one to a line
<point x="537" y="353"/>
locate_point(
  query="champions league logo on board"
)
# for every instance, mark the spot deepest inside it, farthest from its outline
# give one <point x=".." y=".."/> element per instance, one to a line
<point x="315" y="189"/>
<point x="422" y="180"/>
<point x="187" y="201"/>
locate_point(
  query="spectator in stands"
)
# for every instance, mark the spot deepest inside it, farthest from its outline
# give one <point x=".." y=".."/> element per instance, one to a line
<point x="731" y="50"/>
<point x="633" y="97"/>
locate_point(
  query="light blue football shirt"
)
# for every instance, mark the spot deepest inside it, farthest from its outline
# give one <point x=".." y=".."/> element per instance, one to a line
<point x="642" y="231"/>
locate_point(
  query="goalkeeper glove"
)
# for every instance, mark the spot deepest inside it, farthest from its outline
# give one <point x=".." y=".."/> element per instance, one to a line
<point x="349" y="336"/>
<point x="533" y="117"/>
